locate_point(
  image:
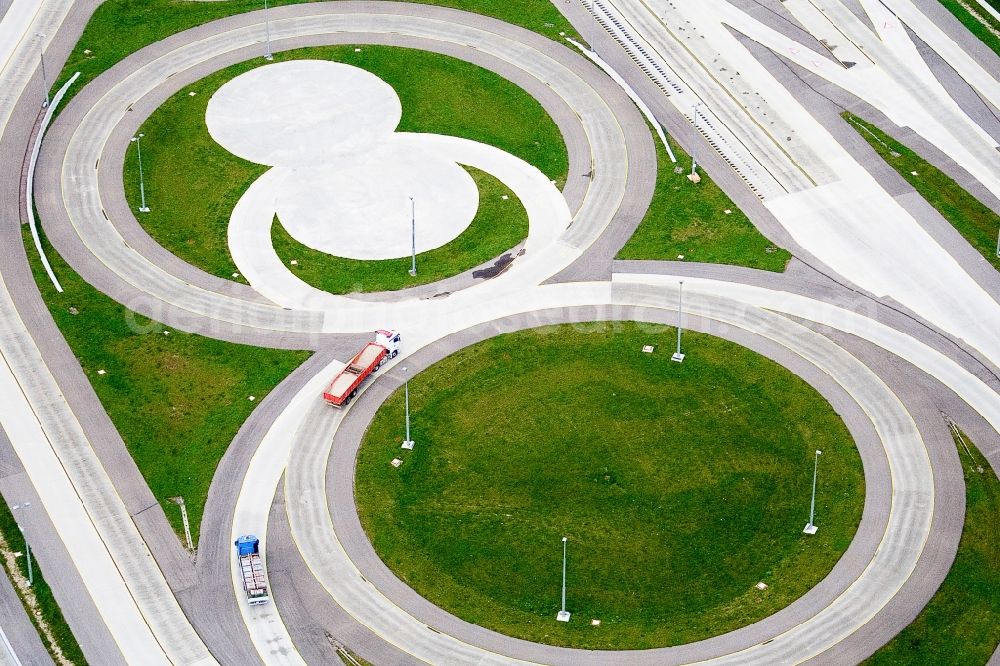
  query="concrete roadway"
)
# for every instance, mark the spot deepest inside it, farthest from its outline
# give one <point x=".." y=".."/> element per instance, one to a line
<point x="961" y="382"/>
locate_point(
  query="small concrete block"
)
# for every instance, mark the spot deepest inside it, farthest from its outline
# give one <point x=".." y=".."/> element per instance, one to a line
<point x="677" y="357"/>
<point x="810" y="529"/>
<point x="562" y="616"/>
<point x="101" y="372"/>
<point x="913" y="173"/>
<point x="236" y="274"/>
<point x="595" y="623"/>
<point x="192" y="94"/>
<point x="396" y="462"/>
<point x="694" y="178"/>
<point x="251" y="398"/>
<point x="408" y="445"/>
<point x="294" y="262"/>
<point x="505" y="197"/>
<point x="761" y="585"/>
<point x="647" y="349"/>
<point x="680" y="256"/>
<point x="357" y="50"/>
<point x="728" y="212"/>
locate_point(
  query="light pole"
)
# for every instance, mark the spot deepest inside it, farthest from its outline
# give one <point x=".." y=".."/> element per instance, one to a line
<point x="694" y="162"/>
<point x="267" y="34"/>
<point x="413" y="238"/>
<point x="143" y="208"/>
<point x="407" y="443"/>
<point x="41" y="57"/>
<point x="810" y="526"/>
<point x="563" y="615"/>
<point x="678" y="356"/>
<point x="27" y="552"/>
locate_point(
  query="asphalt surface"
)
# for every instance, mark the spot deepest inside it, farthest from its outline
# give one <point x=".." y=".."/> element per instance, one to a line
<point x="315" y="622"/>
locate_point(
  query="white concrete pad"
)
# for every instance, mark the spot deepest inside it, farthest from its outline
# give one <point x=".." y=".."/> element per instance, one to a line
<point x="360" y="208"/>
<point x="302" y="112"/>
<point x="250" y="231"/>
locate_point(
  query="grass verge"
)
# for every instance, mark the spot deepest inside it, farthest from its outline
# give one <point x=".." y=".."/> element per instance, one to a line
<point x="176" y="398"/>
<point x="192" y="183"/>
<point x="691" y="220"/>
<point x="977" y="20"/>
<point x="679" y="486"/>
<point x="974" y="220"/>
<point x="40" y="605"/>
<point x="961" y="624"/>
<point x="499" y="225"/>
<point x="120" y="27"/>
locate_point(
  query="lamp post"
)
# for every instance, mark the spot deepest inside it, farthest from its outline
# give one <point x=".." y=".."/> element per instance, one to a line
<point x="694" y="162"/>
<point x="267" y="35"/>
<point x="563" y="614"/>
<point x="407" y="443"/>
<point x="413" y="238"/>
<point x="41" y="58"/>
<point x="143" y="208"/>
<point x="810" y="526"/>
<point x="27" y="552"/>
<point x="678" y="356"/>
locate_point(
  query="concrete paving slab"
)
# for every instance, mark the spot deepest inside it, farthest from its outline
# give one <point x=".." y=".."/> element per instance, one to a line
<point x="360" y="207"/>
<point x="302" y="112"/>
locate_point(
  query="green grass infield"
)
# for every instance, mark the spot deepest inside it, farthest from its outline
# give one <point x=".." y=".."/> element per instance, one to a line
<point x="679" y="486"/>
<point x="192" y="184"/>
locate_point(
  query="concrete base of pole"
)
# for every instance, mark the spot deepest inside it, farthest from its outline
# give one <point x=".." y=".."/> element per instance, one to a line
<point x="144" y="209"/>
<point x="678" y="357"/>
<point x="810" y="529"/>
<point x="408" y="444"/>
<point x="562" y="616"/>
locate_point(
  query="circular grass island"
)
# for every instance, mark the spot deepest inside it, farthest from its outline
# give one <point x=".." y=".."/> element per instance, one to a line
<point x="192" y="183"/>
<point x="680" y="487"/>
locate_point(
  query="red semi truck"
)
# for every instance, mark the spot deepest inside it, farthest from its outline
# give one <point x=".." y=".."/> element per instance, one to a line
<point x="345" y="383"/>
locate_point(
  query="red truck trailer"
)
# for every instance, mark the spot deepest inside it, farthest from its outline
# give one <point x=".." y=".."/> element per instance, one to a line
<point x="345" y="383"/>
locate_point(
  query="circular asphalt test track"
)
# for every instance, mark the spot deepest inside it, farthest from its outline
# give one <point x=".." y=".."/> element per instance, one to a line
<point x="900" y="516"/>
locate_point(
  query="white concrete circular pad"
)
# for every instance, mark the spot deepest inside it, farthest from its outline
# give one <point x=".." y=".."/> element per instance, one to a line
<point x="361" y="209"/>
<point x="302" y="112"/>
<point x="342" y="177"/>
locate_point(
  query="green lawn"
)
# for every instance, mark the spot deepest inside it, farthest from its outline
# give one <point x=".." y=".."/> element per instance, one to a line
<point x="65" y="642"/>
<point x="192" y="183"/>
<point x="961" y="624"/>
<point x="499" y="225"/>
<point x="679" y="486"/>
<point x="978" y="21"/>
<point x="975" y="221"/>
<point x="690" y="220"/>
<point x="177" y="399"/>
<point x="121" y="27"/>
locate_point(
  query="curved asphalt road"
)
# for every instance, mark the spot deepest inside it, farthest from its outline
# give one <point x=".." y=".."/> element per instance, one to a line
<point x="897" y="429"/>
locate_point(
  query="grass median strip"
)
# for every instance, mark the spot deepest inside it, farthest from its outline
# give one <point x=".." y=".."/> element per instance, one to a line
<point x="979" y="21"/>
<point x="691" y="221"/>
<point x="177" y="399"/>
<point x="192" y="183"/>
<point x="679" y="486"/>
<point x="500" y="223"/>
<point x="975" y="221"/>
<point x="961" y="624"/>
<point x="40" y="605"/>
